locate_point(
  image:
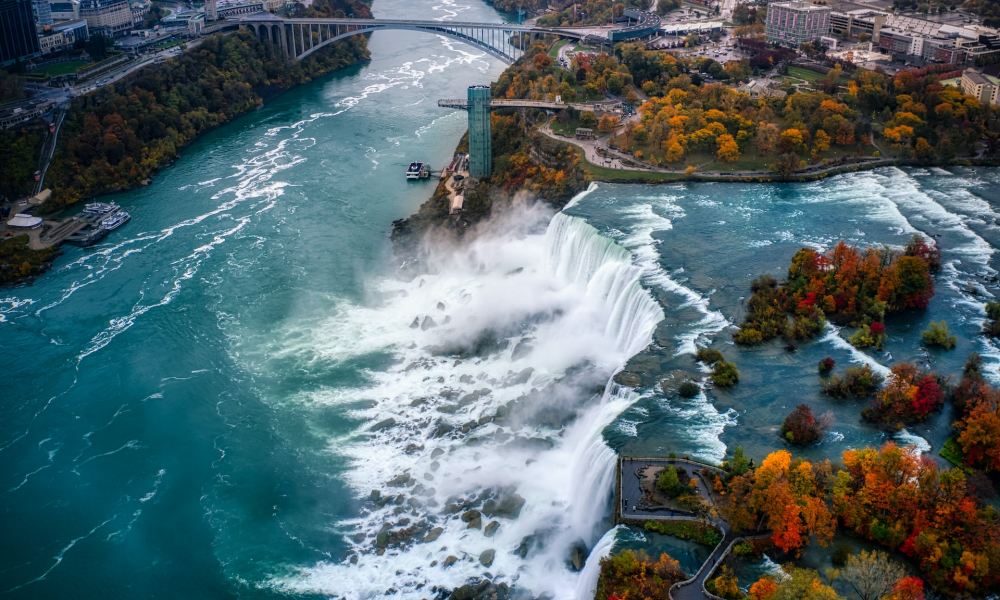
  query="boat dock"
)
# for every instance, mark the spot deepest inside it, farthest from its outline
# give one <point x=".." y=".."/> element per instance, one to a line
<point x="86" y="228"/>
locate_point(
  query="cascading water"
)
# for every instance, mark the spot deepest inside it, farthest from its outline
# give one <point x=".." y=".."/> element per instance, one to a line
<point x="483" y="449"/>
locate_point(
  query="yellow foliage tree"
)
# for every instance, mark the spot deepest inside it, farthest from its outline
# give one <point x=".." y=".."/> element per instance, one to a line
<point x="728" y="150"/>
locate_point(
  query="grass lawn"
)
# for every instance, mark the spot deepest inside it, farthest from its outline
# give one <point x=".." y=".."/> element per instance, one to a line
<point x="952" y="453"/>
<point x="556" y="47"/>
<point x="567" y="128"/>
<point x="65" y="68"/>
<point x="807" y="74"/>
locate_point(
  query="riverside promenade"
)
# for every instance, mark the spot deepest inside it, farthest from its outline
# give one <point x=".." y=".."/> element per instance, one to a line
<point x="635" y="503"/>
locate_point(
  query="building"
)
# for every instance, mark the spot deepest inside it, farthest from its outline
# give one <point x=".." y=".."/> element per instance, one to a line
<point x="863" y="24"/>
<point x="43" y="13"/>
<point x="982" y="87"/>
<point x="480" y="132"/>
<point x="63" y="36"/>
<point x="211" y="10"/>
<point x="18" y="40"/>
<point x="110" y="18"/>
<point x="227" y="10"/>
<point x="65" y="11"/>
<point x="918" y="41"/>
<point x="795" y="23"/>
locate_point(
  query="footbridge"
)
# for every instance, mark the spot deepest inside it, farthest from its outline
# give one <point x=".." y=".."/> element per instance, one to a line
<point x="463" y="104"/>
<point x="297" y="38"/>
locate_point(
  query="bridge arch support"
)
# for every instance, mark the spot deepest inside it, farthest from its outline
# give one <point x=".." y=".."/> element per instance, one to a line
<point x="298" y="38"/>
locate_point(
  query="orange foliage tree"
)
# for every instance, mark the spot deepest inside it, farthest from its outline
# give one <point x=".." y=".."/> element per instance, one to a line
<point x="893" y="497"/>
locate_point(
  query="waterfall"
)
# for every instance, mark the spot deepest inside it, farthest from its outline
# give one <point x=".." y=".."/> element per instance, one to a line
<point x="586" y="585"/>
<point x="561" y="309"/>
<point x="579" y="253"/>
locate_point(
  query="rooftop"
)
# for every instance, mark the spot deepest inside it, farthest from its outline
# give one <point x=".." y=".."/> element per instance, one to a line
<point x="976" y="77"/>
<point x="799" y="5"/>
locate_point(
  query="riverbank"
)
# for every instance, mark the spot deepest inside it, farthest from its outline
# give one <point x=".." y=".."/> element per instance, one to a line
<point x="117" y="138"/>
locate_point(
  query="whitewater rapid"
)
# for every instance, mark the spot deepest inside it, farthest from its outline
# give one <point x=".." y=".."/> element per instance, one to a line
<point x="495" y="401"/>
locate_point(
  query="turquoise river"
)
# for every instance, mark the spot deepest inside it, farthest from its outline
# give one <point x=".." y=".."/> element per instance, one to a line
<point x="235" y="395"/>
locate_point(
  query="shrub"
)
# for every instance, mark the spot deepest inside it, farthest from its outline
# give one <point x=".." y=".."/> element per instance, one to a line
<point x="826" y="366"/>
<point x="992" y="325"/>
<point x="857" y="382"/>
<point x="869" y="336"/>
<point x="725" y="585"/>
<point x="709" y="356"/>
<point x="725" y="374"/>
<point x="688" y="389"/>
<point x="909" y="397"/>
<point x="669" y="482"/>
<point x="766" y="318"/>
<point x="801" y="427"/>
<point x="937" y="336"/>
<point x="699" y="533"/>
<point x="807" y="326"/>
<point x="748" y="336"/>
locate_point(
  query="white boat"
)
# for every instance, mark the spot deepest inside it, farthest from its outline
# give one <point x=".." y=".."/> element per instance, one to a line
<point x="418" y="170"/>
<point x="115" y="221"/>
<point x="99" y="208"/>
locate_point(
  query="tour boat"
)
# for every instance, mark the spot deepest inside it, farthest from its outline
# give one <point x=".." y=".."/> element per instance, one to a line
<point x="94" y="209"/>
<point x="115" y="221"/>
<point x="418" y="170"/>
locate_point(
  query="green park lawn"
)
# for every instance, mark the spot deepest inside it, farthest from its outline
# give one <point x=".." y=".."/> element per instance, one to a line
<point x="65" y="68"/>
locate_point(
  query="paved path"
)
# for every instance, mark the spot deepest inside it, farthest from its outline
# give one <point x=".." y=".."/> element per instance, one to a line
<point x="633" y="472"/>
<point x="634" y="506"/>
<point x="619" y="160"/>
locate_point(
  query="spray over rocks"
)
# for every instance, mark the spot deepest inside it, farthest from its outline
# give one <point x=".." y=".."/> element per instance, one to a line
<point x="481" y="459"/>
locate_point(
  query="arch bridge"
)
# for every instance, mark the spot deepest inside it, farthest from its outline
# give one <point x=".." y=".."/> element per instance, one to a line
<point x="297" y="38"/>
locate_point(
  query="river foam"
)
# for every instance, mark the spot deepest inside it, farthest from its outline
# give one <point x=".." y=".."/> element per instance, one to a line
<point x="496" y="401"/>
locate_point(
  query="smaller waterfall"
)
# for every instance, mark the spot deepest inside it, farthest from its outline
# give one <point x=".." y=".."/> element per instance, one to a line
<point x="586" y="585"/>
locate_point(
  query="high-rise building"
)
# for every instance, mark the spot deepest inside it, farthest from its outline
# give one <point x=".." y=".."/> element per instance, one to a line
<point x="18" y="39"/>
<point x="480" y="133"/>
<point x="211" y="10"/>
<point x="795" y="23"/>
<point x="43" y="12"/>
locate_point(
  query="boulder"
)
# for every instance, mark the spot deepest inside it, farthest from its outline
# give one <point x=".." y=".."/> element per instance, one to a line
<point x="383" y="424"/>
<point x="491" y="528"/>
<point x="474" y="518"/>
<point x="578" y="555"/>
<point x="509" y="505"/>
<point x="481" y="589"/>
<point x="628" y="379"/>
<point x="486" y="558"/>
<point x="433" y="535"/>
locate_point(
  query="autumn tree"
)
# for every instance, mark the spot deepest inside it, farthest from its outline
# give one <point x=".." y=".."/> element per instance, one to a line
<point x="871" y="575"/>
<point x="792" y="140"/>
<point x="728" y="150"/>
<point x="909" y="396"/>
<point x="631" y="574"/>
<point x="798" y="584"/>
<point x="893" y="497"/>
<point x="785" y="496"/>
<point x="821" y="143"/>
